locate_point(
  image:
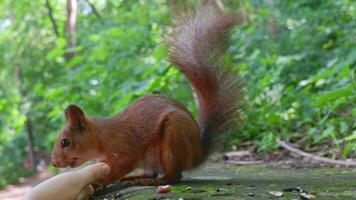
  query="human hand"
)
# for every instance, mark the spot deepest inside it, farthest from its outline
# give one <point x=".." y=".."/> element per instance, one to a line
<point x="71" y="185"/>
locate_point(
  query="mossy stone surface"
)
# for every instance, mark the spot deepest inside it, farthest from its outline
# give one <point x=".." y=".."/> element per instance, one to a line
<point x="223" y="181"/>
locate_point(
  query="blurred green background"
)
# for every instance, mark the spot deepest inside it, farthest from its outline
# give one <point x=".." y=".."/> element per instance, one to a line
<point x="297" y="58"/>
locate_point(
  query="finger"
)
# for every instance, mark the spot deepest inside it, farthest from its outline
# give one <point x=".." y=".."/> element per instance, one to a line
<point x="86" y="192"/>
<point x="92" y="173"/>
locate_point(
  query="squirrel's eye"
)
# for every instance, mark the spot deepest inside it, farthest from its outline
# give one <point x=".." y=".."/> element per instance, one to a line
<point x="65" y="142"/>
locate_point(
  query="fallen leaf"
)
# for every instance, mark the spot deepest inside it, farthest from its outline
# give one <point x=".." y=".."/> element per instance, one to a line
<point x="276" y="193"/>
<point x="251" y="194"/>
<point x="306" y="196"/>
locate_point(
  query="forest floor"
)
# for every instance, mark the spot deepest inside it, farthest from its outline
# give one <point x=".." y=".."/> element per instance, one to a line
<point x="17" y="191"/>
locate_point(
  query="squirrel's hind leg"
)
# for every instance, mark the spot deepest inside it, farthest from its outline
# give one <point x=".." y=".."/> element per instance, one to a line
<point x="179" y="145"/>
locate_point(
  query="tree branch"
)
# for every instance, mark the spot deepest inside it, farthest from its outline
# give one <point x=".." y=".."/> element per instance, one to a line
<point x="94" y="9"/>
<point x="51" y="17"/>
<point x="315" y="157"/>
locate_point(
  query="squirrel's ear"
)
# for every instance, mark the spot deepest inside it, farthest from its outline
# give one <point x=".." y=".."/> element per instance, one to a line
<point x="74" y="115"/>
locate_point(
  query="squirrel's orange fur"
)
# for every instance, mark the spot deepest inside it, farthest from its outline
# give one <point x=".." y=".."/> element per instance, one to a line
<point x="156" y="133"/>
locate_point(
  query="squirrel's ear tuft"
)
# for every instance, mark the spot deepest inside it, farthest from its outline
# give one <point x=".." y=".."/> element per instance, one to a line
<point x="74" y="115"/>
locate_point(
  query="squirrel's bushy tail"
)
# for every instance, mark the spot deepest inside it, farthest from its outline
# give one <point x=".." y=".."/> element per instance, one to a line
<point x="197" y="46"/>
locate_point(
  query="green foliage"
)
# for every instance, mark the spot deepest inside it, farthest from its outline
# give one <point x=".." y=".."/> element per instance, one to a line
<point x="297" y="58"/>
<point x="13" y="160"/>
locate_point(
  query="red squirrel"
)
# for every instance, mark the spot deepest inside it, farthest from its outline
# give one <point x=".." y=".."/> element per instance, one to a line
<point x="156" y="133"/>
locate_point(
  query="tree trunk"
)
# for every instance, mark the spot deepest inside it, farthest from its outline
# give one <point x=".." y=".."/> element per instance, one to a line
<point x="70" y="28"/>
<point x="30" y="142"/>
<point x="31" y="159"/>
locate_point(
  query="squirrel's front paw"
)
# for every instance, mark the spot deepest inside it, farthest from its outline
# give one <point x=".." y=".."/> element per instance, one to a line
<point x="104" y="180"/>
<point x="146" y="181"/>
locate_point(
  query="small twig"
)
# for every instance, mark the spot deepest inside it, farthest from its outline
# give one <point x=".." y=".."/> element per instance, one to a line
<point x="318" y="159"/>
<point x="233" y="155"/>
<point x="252" y="162"/>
